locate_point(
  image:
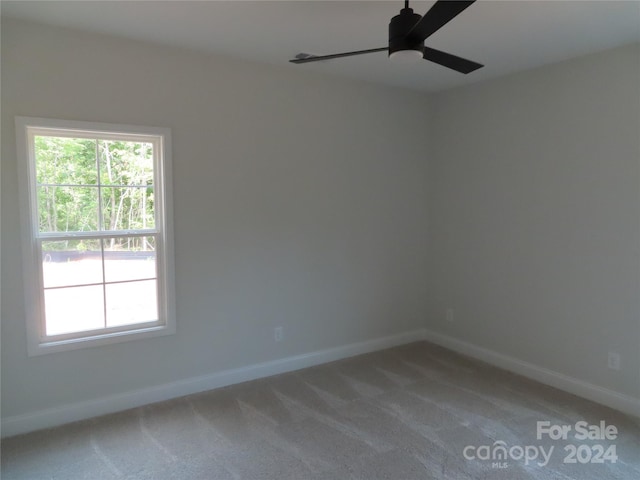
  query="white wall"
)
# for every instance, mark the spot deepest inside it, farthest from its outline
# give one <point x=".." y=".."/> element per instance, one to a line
<point x="302" y="201"/>
<point x="534" y="214"/>
<point x="299" y="201"/>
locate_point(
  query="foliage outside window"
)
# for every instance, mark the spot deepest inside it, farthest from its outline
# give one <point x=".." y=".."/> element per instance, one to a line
<point x="99" y="253"/>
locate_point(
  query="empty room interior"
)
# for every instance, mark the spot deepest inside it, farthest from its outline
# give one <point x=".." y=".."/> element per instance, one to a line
<point x="320" y="240"/>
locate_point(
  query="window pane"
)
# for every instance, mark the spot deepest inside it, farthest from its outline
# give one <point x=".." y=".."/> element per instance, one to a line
<point x="67" y="209"/>
<point x="131" y="302"/>
<point x="129" y="258"/>
<point x="127" y="208"/>
<point x="74" y="309"/>
<point x="62" y="160"/>
<point x="71" y="262"/>
<point x="125" y="163"/>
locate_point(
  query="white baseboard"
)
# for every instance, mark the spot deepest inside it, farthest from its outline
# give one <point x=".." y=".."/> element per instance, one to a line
<point x="52" y="417"/>
<point x="604" y="396"/>
<point x="114" y="403"/>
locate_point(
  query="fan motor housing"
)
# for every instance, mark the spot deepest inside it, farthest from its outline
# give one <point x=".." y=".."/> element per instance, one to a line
<point x="399" y="26"/>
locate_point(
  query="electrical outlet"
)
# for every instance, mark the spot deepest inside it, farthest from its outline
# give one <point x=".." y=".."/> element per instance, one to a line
<point x="278" y="334"/>
<point x="449" y="314"/>
<point x="613" y="361"/>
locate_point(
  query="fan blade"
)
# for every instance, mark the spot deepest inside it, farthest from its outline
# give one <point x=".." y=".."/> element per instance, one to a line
<point x="458" y="64"/>
<point x="439" y="15"/>
<point x="337" y="55"/>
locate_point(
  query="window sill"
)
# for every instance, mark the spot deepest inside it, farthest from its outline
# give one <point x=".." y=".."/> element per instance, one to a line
<point x="47" y="347"/>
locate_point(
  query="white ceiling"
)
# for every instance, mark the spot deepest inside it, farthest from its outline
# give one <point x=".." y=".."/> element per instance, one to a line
<point x="506" y="36"/>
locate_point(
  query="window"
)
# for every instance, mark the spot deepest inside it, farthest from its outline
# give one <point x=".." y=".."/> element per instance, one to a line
<point x="97" y="232"/>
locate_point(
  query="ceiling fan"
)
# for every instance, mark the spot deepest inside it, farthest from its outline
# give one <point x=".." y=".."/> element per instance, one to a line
<point x="407" y="33"/>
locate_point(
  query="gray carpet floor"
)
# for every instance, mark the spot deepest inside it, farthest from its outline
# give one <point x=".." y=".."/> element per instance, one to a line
<point x="405" y="413"/>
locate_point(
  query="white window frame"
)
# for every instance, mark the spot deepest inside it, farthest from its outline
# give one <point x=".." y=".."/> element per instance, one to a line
<point x="37" y="341"/>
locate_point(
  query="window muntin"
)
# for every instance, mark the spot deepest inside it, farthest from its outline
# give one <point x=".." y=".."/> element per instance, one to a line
<point x="99" y="232"/>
